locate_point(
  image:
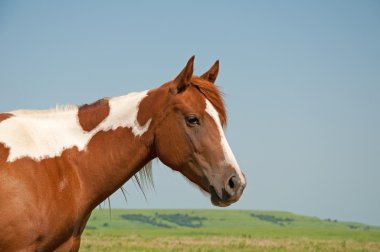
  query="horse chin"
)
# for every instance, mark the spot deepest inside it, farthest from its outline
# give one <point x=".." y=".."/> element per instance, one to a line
<point x="219" y="203"/>
<point x="216" y="200"/>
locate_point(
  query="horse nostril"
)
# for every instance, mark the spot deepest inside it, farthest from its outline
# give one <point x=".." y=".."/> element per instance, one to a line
<point x="232" y="182"/>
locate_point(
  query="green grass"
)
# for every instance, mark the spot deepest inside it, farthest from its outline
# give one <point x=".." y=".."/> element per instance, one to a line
<point x="223" y="230"/>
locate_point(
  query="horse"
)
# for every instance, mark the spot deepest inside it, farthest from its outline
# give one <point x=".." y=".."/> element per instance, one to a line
<point x="57" y="165"/>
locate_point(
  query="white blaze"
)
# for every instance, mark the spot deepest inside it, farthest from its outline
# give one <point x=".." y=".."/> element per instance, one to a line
<point x="46" y="134"/>
<point x="228" y="155"/>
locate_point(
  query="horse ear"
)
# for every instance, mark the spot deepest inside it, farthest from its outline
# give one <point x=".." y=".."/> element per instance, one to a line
<point x="211" y="74"/>
<point x="182" y="81"/>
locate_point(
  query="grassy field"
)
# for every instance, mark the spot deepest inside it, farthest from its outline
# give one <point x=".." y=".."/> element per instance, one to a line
<point x="223" y="230"/>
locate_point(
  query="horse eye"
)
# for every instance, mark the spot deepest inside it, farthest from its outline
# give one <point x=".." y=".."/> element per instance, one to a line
<point x="192" y="121"/>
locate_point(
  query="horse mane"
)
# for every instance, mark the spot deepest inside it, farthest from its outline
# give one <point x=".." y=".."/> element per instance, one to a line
<point x="144" y="178"/>
<point x="213" y="94"/>
<point x="35" y="112"/>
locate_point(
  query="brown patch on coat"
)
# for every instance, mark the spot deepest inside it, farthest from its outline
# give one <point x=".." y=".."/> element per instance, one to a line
<point x="4" y="153"/>
<point x="156" y="98"/>
<point x="91" y="115"/>
<point x="5" y="116"/>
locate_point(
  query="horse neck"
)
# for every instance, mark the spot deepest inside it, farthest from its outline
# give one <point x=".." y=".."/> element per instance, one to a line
<point x="121" y="146"/>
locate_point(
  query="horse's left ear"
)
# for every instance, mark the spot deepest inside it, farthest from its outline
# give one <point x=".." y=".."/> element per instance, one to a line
<point x="211" y="74"/>
<point x="183" y="80"/>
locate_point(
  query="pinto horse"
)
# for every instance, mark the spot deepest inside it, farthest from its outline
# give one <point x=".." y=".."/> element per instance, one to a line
<point x="57" y="165"/>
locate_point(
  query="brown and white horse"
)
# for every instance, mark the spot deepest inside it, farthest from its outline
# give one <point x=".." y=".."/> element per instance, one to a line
<point x="57" y="165"/>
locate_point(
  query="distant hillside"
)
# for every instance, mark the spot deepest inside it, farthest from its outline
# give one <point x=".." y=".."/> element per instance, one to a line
<point x="235" y="226"/>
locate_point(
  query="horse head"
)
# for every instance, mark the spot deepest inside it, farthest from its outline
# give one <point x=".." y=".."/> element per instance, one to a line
<point x="190" y="137"/>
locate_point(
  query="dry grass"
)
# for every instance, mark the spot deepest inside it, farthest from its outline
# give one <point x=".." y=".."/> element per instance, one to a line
<point x="218" y="243"/>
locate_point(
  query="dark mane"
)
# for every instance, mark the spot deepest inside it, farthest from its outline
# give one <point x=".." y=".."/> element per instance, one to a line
<point x="214" y="95"/>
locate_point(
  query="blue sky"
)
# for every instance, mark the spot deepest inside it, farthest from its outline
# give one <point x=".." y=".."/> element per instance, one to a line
<point x="301" y="78"/>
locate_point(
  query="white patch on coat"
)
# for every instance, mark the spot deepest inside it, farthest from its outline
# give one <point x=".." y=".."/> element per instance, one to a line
<point x="62" y="185"/>
<point x="228" y="154"/>
<point x="46" y="134"/>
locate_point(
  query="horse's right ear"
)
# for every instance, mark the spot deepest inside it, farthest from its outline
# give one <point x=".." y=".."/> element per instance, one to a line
<point x="182" y="81"/>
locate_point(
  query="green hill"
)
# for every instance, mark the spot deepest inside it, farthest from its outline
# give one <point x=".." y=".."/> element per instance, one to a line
<point x="223" y="230"/>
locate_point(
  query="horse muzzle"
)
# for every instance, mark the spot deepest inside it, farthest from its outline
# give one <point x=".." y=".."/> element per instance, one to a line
<point x="229" y="192"/>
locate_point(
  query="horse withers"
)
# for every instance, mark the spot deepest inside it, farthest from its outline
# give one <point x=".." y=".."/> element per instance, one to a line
<point x="57" y="165"/>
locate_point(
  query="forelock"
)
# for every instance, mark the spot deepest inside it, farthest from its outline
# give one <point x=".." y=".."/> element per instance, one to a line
<point x="213" y="94"/>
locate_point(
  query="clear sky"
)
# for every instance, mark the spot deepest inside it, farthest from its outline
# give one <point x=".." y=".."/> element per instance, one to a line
<point x="301" y="78"/>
